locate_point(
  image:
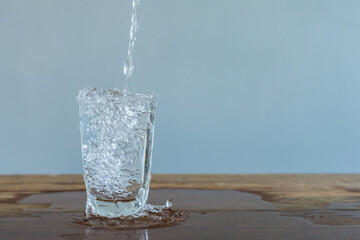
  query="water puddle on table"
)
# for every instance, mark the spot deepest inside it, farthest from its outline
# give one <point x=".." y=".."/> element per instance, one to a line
<point x="195" y="214"/>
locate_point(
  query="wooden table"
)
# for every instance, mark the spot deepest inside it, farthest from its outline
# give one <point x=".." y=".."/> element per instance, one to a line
<point x="216" y="207"/>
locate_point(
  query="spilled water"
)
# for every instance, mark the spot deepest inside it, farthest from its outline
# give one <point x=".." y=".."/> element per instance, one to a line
<point x="129" y="63"/>
<point x="205" y="214"/>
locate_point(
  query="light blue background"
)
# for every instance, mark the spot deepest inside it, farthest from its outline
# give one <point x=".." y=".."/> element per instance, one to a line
<point x="245" y="86"/>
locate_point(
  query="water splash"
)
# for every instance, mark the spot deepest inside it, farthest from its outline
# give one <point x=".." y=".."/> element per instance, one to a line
<point x="129" y="63"/>
<point x="151" y="216"/>
<point x="151" y="209"/>
<point x="168" y="203"/>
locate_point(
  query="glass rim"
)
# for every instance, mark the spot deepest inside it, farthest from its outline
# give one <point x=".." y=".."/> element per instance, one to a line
<point x="90" y="93"/>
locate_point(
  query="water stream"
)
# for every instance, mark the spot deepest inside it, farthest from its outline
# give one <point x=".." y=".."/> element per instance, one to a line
<point x="129" y="63"/>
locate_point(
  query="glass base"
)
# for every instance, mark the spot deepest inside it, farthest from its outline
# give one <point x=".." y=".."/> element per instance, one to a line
<point x="110" y="209"/>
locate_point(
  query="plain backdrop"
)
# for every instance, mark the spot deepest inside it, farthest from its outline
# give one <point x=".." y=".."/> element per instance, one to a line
<point x="245" y="86"/>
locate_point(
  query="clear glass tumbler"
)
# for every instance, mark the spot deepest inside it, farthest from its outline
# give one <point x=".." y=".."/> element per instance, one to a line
<point x="117" y="133"/>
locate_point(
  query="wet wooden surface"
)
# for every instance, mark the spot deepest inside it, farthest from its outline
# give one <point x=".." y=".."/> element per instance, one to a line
<point x="261" y="206"/>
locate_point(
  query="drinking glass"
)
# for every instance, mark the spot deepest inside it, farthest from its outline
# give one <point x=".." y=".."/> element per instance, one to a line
<point x="117" y="131"/>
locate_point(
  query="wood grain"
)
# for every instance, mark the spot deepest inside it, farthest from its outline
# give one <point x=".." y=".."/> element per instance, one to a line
<point x="329" y="200"/>
<point x="292" y="191"/>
